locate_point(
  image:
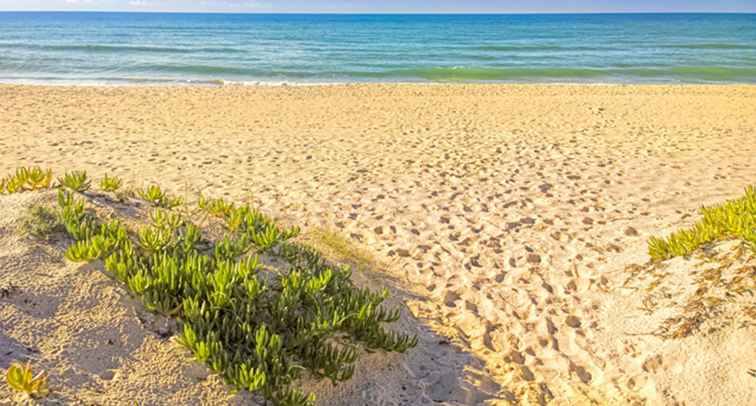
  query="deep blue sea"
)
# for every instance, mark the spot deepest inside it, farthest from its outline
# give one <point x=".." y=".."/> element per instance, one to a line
<point x="123" y="48"/>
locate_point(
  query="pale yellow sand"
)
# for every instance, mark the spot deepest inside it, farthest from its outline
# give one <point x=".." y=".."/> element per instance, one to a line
<point x="100" y="347"/>
<point x="510" y="212"/>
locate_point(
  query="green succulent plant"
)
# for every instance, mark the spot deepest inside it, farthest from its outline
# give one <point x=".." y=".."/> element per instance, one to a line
<point x="27" y="178"/>
<point x="73" y="216"/>
<point x="733" y="219"/>
<point x="154" y="239"/>
<point x="215" y="207"/>
<point x="10" y="184"/>
<point x="110" y="183"/>
<point x="258" y="328"/>
<point x="20" y="378"/>
<point x="38" y="178"/>
<point x="166" y="220"/>
<point x="266" y="239"/>
<point x="155" y="195"/>
<point x="76" y="181"/>
<point x="96" y="247"/>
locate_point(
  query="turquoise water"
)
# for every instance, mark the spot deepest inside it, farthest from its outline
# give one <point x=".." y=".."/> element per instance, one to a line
<point x="122" y="48"/>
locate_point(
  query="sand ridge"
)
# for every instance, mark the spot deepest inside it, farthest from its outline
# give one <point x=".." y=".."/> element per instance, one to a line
<point x="511" y="210"/>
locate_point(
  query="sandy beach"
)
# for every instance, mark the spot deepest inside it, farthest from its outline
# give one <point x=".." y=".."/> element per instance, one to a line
<point x="507" y="216"/>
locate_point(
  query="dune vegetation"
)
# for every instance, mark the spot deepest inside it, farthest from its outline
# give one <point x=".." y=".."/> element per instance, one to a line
<point x="21" y="379"/>
<point x="735" y="219"/>
<point x="257" y="305"/>
<point x="720" y="281"/>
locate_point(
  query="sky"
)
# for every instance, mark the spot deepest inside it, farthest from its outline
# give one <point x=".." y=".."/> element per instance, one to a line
<point x="386" y="6"/>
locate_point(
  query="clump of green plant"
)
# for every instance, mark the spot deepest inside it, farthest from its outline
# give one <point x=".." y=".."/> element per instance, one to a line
<point x="31" y="178"/>
<point x="259" y="328"/>
<point x="155" y="195"/>
<point x="21" y="379"/>
<point x="73" y="216"/>
<point x="215" y="207"/>
<point x="76" y="181"/>
<point x="731" y="220"/>
<point x="110" y="183"/>
<point x="96" y="246"/>
<point x="40" y="221"/>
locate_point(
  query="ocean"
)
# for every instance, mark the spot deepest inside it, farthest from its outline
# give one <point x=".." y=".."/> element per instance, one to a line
<point x="134" y="48"/>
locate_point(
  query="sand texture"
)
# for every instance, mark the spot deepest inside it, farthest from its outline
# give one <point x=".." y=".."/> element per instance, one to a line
<point x="512" y="220"/>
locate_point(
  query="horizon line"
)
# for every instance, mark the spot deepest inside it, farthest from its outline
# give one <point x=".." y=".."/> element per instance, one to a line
<point x="376" y="13"/>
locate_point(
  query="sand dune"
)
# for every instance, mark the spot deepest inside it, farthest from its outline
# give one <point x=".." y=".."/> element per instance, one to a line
<point x="508" y="213"/>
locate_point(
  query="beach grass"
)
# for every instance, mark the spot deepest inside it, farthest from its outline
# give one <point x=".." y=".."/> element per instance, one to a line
<point x="40" y="222"/>
<point x="338" y="246"/>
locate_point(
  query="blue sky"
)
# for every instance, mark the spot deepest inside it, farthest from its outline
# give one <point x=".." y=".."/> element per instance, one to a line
<point x="390" y="6"/>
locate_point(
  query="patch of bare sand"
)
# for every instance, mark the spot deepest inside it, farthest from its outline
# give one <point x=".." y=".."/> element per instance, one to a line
<point x="510" y="211"/>
<point x="683" y="331"/>
<point x="78" y="325"/>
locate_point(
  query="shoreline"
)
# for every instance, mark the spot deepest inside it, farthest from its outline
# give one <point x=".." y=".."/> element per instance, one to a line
<point x="413" y="48"/>
<point x="265" y="85"/>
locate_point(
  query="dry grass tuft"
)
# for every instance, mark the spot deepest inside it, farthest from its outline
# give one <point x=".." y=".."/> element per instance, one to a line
<point x="40" y="222"/>
<point x="338" y="247"/>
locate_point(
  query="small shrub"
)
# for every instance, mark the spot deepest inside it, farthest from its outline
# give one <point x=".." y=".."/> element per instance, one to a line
<point x="733" y="219"/>
<point x="110" y="183"/>
<point x="40" y="222"/>
<point x="76" y="181"/>
<point x="20" y="378"/>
